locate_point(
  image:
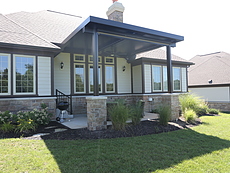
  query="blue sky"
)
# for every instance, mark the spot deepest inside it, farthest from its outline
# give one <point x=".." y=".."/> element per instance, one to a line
<point x="203" y="23"/>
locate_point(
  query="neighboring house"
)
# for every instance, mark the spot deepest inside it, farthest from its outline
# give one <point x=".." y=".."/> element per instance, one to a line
<point x="44" y="51"/>
<point x="209" y="78"/>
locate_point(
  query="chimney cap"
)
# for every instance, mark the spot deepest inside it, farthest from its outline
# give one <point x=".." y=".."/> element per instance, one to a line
<point x="114" y="1"/>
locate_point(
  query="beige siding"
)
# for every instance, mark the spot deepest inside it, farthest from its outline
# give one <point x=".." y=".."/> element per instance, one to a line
<point x="137" y="79"/>
<point x="44" y="76"/>
<point x="123" y="77"/>
<point x="184" y="79"/>
<point x="212" y="93"/>
<point x="147" y="78"/>
<point x="62" y="76"/>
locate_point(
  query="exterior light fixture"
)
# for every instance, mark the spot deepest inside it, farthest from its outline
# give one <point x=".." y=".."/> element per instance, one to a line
<point x="123" y="68"/>
<point x="210" y="81"/>
<point x="62" y="65"/>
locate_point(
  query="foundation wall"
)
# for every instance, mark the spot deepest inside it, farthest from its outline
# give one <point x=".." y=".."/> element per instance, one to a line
<point x="222" y="106"/>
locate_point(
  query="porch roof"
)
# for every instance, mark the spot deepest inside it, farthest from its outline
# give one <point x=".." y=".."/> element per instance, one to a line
<point x="116" y="38"/>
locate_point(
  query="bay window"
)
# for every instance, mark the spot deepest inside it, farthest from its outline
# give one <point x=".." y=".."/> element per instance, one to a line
<point x="157" y="78"/>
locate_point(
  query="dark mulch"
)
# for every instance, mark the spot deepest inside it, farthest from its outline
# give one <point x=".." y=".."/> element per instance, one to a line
<point x="144" y="128"/>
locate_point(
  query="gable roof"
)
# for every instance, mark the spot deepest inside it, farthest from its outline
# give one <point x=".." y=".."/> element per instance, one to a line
<point x="50" y="25"/>
<point x="161" y="54"/>
<point x="16" y="35"/>
<point x="214" y="66"/>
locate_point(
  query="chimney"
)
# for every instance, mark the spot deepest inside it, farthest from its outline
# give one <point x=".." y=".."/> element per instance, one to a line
<point x="115" y="11"/>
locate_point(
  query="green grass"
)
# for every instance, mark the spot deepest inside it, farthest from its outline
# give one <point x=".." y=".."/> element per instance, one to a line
<point x="205" y="148"/>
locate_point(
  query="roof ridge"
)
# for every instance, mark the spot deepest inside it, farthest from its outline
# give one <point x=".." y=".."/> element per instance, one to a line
<point x="64" y="13"/>
<point x="31" y="32"/>
<point x="200" y="64"/>
<point x="210" y="53"/>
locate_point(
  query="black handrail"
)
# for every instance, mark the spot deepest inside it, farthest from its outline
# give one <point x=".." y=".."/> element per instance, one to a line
<point x="61" y="97"/>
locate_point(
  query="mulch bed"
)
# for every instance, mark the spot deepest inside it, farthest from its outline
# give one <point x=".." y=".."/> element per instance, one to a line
<point x="144" y="128"/>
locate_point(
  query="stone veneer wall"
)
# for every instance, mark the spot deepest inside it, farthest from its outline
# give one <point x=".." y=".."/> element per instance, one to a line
<point x="222" y="106"/>
<point x="96" y="113"/>
<point x="26" y="104"/>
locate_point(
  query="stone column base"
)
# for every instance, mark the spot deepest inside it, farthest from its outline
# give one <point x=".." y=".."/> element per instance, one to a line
<point x="96" y="113"/>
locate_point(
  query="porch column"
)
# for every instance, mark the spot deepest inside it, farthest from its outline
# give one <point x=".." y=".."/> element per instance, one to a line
<point x="169" y="70"/>
<point x="95" y="63"/>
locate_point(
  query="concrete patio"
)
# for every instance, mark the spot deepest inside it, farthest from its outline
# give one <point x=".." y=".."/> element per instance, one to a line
<point x="80" y="121"/>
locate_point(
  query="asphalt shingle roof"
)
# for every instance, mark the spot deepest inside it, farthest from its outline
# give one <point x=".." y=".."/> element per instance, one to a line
<point x="159" y="54"/>
<point x="50" y="25"/>
<point x="12" y="33"/>
<point x="215" y="67"/>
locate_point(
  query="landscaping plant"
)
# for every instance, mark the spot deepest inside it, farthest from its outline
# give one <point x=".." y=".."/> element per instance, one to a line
<point x="191" y="101"/>
<point x="119" y="114"/>
<point x="190" y="115"/>
<point x="136" y="112"/>
<point x="213" y="111"/>
<point x="164" y="111"/>
<point x="7" y="127"/>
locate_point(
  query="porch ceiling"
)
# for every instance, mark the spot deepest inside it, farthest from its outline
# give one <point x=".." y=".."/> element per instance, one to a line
<point x="116" y="39"/>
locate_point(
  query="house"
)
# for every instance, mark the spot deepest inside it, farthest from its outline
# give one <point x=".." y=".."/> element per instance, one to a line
<point x="93" y="60"/>
<point x="209" y="78"/>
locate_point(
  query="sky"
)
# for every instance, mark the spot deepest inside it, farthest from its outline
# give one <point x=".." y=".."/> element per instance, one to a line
<point x="203" y="23"/>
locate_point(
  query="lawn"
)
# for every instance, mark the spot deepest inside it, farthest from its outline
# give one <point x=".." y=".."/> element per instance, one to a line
<point x="205" y="148"/>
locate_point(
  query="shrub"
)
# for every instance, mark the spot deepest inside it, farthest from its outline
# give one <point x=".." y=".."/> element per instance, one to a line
<point x="136" y="112"/>
<point x="213" y="111"/>
<point x="7" y="127"/>
<point x="7" y="116"/>
<point x="190" y="115"/>
<point x="119" y="115"/>
<point x="164" y="114"/>
<point x="25" y="125"/>
<point x="191" y="101"/>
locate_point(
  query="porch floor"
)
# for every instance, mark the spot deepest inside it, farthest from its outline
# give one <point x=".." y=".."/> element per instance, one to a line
<point x="80" y="121"/>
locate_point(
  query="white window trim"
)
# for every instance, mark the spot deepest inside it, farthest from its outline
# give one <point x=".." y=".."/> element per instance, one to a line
<point x="109" y="58"/>
<point x="14" y="76"/>
<point x="113" y="79"/>
<point x="79" y="55"/>
<point x="163" y="79"/>
<point x="99" y="58"/>
<point x="75" y="79"/>
<point x="9" y="73"/>
<point x="100" y="78"/>
<point x="180" y="79"/>
<point x="160" y="78"/>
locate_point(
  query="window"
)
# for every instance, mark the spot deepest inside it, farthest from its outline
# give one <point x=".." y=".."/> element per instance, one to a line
<point x="109" y="60"/>
<point x="4" y="74"/>
<point x="91" y="89"/>
<point x="91" y="59"/>
<point x="157" y="78"/>
<point x="165" y="79"/>
<point x="79" y="58"/>
<point x="176" y="79"/>
<point x="109" y="78"/>
<point x="79" y="78"/>
<point x="24" y="74"/>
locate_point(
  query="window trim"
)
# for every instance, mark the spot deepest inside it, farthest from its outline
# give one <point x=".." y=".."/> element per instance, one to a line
<point x="113" y="79"/>
<point x="14" y="76"/>
<point x="160" y="79"/>
<point x="84" y="65"/>
<point x="9" y="73"/>
<point x="79" y="60"/>
<point x="100" y="78"/>
<point x="109" y="58"/>
<point x="91" y="56"/>
<point x="180" y="79"/>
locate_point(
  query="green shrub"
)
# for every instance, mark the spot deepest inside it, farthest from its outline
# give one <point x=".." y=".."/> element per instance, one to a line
<point x="25" y="125"/>
<point x="7" y="127"/>
<point x="191" y="101"/>
<point x="190" y="115"/>
<point x="7" y="116"/>
<point x="164" y="114"/>
<point x="213" y="111"/>
<point x="119" y="115"/>
<point x="136" y="112"/>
